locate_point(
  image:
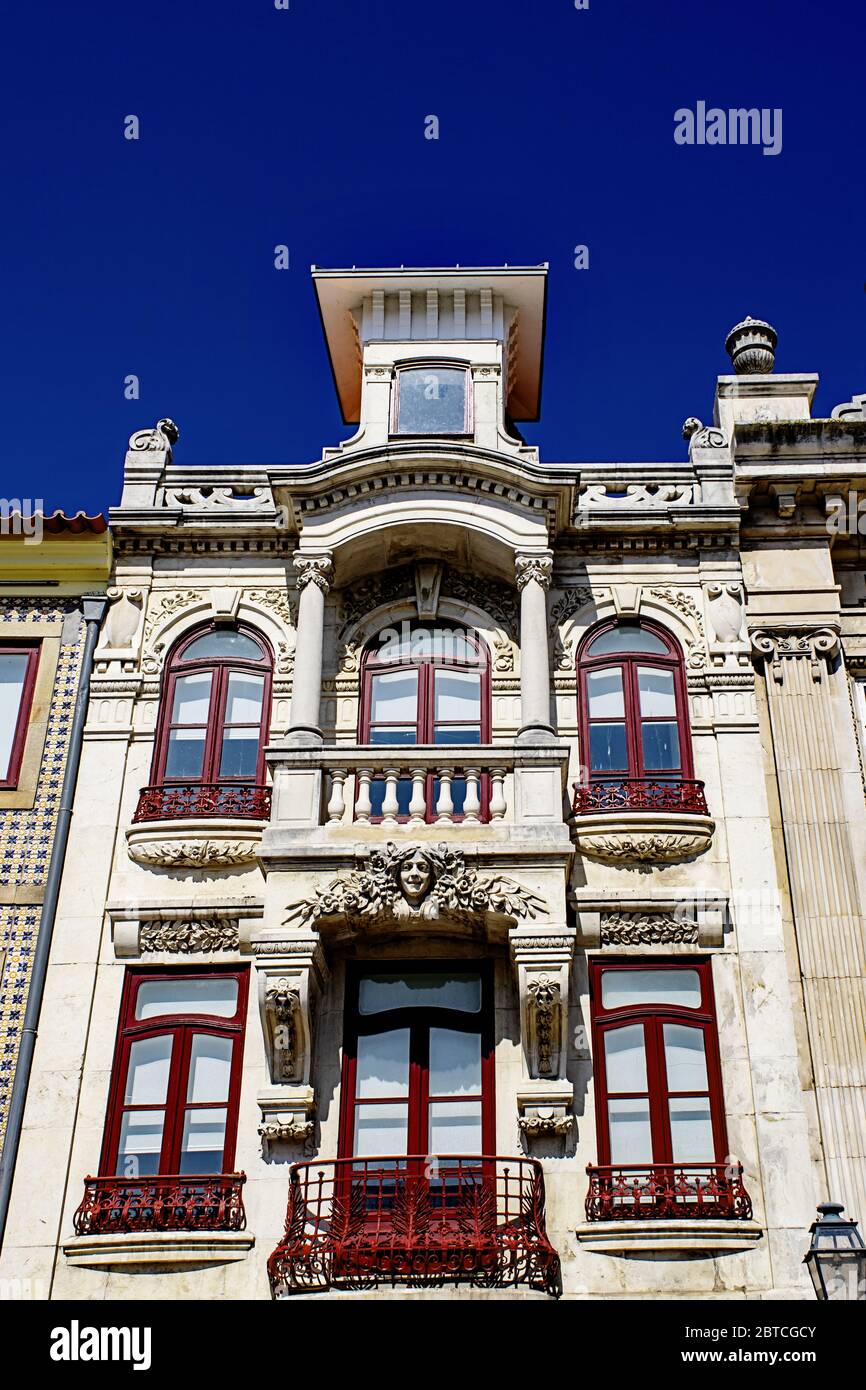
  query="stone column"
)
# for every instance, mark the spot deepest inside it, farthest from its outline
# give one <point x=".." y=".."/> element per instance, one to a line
<point x="533" y="574"/>
<point x="314" y="581"/>
<point x="827" y="906"/>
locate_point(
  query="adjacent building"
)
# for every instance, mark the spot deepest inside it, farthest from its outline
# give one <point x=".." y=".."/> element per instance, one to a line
<point x="46" y="565"/>
<point x="465" y="889"/>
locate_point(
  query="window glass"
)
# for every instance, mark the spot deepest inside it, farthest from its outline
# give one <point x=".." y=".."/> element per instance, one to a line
<point x="623" y="987"/>
<point x="625" y="1058"/>
<point x="210" y="1068"/>
<point x="443" y="991"/>
<point x="244" y="698"/>
<point x="395" y="697"/>
<point x="431" y="400"/>
<point x="381" y="1130"/>
<point x="383" y="1064"/>
<point x="455" y="1063"/>
<point x="423" y="642"/>
<point x="185" y="753"/>
<point x="240" y="753"/>
<point x="458" y="695"/>
<point x="147" y="1071"/>
<point x="140" y="1143"/>
<point x="661" y="747"/>
<point x="224" y="645"/>
<point x="626" y="638"/>
<point x="13" y="673"/>
<point x="604" y="693"/>
<point x="191" y="698"/>
<point x="455" y="1127"/>
<point x="691" y="1130"/>
<point x="203" y="1142"/>
<point x="656" y="692"/>
<point x="608" y="751"/>
<point x="162" y="998"/>
<point x="685" y="1058"/>
<point x="630" y="1134"/>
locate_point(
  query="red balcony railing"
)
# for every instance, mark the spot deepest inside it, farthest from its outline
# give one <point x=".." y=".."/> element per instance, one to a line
<point x="652" y="1192"/>
<point x="177" y="800"/>
<point x="161" y="1204"/>
<point x="421" y="1222"/>
<point x="639" y="794"/>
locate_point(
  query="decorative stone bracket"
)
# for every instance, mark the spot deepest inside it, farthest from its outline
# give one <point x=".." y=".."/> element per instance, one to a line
<point x="291" y="976"/>
<point x="639" y="923"/>
<point x="542" y="959"/>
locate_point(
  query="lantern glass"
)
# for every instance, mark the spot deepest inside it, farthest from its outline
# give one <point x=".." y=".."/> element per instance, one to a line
<point x="837" y="1256"/>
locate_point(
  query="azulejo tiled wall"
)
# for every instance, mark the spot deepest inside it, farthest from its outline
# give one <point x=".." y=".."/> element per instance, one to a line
<point x="26" y="836"/>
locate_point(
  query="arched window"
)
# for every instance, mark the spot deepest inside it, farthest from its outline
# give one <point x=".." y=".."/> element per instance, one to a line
<point x="214" y="716"/>
<point x="633" y="710"/>
<point x="425" y="683"/>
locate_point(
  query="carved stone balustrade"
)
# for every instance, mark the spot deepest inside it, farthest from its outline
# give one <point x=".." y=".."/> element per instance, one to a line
<point x="357" y="786"/>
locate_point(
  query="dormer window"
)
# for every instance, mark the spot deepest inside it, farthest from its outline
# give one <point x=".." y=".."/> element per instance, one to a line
<point x="431" y="399"/>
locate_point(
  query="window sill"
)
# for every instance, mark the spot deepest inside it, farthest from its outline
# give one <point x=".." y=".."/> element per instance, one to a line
<point x="655" y="837"/>
<point x="195" y="842"/>
<point x="158" y="1248"/>
<point x="689" y="1236"/>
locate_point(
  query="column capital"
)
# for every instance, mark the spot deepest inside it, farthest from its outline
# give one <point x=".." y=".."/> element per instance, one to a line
<point x="314" y="569"/>
<point x="535" y="565"/>
<point x="817" y="644"/>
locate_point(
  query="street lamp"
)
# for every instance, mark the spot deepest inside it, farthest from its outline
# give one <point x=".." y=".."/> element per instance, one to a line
<point x="837" y="1255"/>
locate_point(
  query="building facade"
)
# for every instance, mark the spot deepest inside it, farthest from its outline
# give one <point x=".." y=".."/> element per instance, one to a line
<point x="465" y="892"/>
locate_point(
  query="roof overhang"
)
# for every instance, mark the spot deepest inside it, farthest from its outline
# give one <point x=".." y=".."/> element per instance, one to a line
<point x="340" y="292"/>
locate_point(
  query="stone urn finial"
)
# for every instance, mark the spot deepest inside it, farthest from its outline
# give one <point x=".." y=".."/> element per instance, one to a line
<point x="751" y="346"/>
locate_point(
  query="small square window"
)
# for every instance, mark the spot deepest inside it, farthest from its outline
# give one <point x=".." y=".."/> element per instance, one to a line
<point x="431" y="400"/>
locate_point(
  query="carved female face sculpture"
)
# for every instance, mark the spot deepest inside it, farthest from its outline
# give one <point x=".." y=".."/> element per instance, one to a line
<point x="416" y="877"/>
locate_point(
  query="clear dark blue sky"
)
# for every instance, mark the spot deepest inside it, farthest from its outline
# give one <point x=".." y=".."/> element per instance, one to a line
<point x="305" y="127"/>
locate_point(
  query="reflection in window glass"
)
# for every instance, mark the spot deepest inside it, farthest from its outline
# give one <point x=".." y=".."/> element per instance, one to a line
<point x="215" y="645"/>
<point x="627" y="637"/>
<point x="622" y="987"/>
<point x="158" y="998"/>
<point x="431" y="400"/>
<point x="625" y="1058"/>
<point x="13" y="672"/>
<point x="444" y="991"/>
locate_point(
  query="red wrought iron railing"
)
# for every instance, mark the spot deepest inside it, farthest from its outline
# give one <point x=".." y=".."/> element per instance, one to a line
<point x="176" y="800"/>
<point x="169" y="1203"/>
<point x="639" y="794"/>
<point x="420" y="1222"/>
<point x="653" y="1192"/>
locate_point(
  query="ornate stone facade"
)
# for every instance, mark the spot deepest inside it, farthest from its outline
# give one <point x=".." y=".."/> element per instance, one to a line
<point x="427" y="855"/>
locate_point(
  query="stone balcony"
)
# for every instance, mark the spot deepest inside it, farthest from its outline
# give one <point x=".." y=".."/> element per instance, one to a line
<point x="365" y="792"/>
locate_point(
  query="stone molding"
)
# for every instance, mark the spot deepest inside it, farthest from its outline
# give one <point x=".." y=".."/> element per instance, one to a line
<point x="288" y="1115"/>
<point x="642" y="837"/>
<point x="637" y="923"/>
<point x="184" y="929"/>
<point x="208" y="842"/>
<point x="158" y="1248"/>
<point x="706" y="1236"/>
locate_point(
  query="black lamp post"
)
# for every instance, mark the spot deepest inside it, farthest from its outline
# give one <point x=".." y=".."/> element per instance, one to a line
<point x="837" y="1255"/>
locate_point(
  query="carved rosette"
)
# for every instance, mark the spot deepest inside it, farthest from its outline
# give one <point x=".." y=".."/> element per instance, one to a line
<point x="314" y="569"/>
<point x="817" y="645"/>
<point x="533" y="567"/>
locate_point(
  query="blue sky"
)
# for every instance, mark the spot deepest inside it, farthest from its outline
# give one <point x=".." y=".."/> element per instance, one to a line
<point x="305" y="127"/>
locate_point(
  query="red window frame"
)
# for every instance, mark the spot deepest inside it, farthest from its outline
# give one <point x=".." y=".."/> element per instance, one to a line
<point x="182" y="1028"/>
<point x="632" y="718"/>
<point x="419" y="1021"/>
<point x="653" y="1017"/>
<point x="432" y="365"/>
<point x="425" y="708"/>
<point x="222" y="668"/>
<point x="22" y="723"/>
